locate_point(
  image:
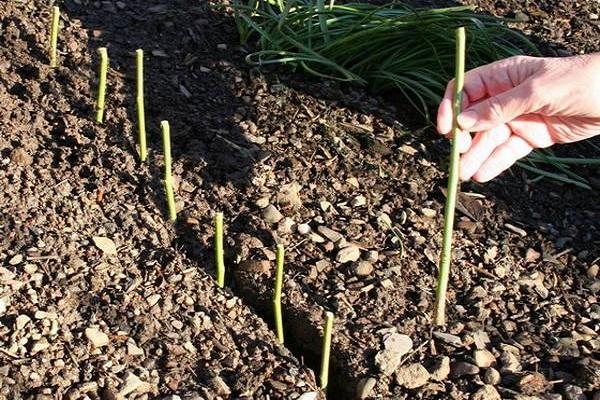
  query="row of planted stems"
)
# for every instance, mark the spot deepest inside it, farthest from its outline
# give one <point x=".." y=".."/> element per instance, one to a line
<point x="169" y="188"/>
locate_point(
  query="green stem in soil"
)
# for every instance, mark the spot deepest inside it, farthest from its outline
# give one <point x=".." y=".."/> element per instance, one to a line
<point x="54" y="37"/>
<point x="219" y="254"/>
<point x="102" y="84"/>
<point x="327" y="329"/>
<point x="168" y="179"/>
<point x="446" y="256"/>
<point x="277" y="292"/>
<point x="141" y="114"/>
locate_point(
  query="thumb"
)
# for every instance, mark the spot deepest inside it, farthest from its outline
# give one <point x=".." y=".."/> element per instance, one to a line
<point x="499" y="109"/>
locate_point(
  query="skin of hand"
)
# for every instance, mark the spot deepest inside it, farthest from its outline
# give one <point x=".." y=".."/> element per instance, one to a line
<point x="521" y="103"/>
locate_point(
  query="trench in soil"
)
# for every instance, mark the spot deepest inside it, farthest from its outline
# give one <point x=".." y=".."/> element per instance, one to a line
<point x="303" y="338"/>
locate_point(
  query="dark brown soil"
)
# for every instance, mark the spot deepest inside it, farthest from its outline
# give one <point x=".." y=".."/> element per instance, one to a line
<point x="279" y="154"/>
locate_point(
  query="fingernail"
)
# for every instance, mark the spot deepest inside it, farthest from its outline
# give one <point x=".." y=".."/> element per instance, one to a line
<point x="467" y="119"/>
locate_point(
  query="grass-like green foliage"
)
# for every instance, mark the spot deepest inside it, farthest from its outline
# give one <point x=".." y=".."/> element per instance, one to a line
<point x="219" y="253"/>
<point x="102" y="84"/>
<point x="277" y="293"/>
<point x="139" y="100"/>
<point x="327" y="331"/>
<point x="168" y="178"/>
<point x="561" y="164"/>
<point x="452" y="190"/>
<point x="54" y="37"/>
<point x="389" y="47"/>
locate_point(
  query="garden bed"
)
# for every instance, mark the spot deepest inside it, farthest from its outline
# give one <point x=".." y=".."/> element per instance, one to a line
<point x="321" y="168"/>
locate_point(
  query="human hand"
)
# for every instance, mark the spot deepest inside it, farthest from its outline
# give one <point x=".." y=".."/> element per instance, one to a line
<point x="521" y="103"/>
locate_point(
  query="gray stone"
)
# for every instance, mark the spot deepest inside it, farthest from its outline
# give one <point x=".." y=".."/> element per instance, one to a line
<point x="412" y="376"/>
<point x="365" y="387"/>
<point x="308" y="396"/>
<point x="492" y="376"/>
<point x="303" y="229"/>
<point x="448" y="338"/>
<point x="21" y="321"/>
<point x="330" y="234"/>
<point x="510" y="362"/>
<point x="96" y="337"/>
<point x="441" y="369"/>
<point x="220" y="386"/>
<point x="573" y="392"/>
<point x="359" y="201"/>
<point x="487" y="392"/>
<point x="348" y="254"/>
<point x="271" y="214"/>
<point x="462" y="368"/>
<point x="520" y="16"/>
<point x="395" y="347"/>
<point x="18" y="259"/>
<point x="428" y="212"/>
<point x="484" y="358"/>
<point x="362" y="268"/>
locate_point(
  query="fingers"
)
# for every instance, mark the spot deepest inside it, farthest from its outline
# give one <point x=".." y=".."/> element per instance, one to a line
<point x="464" y="141"/>
<point x="483" y="85"/>
<point x="480" y="150"/>
<point x="499" y="109"/>
<point x="502" y="158"/>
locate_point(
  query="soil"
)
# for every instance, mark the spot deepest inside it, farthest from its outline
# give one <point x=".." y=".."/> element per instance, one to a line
<point x="102" y="297"/>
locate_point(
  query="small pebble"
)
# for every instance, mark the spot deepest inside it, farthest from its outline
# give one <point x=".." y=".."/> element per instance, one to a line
<point x="348" y="254"/>
<point x="395" y="347"/>
<point x="516" y="230"/>
<point x="303" y="229"/>
<point x="573" y="392"/>
<point x="362" y="268"/>
<point x="492" y="376"/>
<point x="18" y="259"/>
<point x="412" y="376"/>
<point x="487" y="392"/>
<point x="428" y="212"/>
<point x="96" y="337"/>
<point x="21" y="321"/>
<point x="441" y="369"/>
<point x="462" y="368"/>
<point x="358" y="201"/>
<point x="365" y="387"/>
<point x="448" y="338"/>
<point x="484" y="358"/>
<point x="271" y="214"/>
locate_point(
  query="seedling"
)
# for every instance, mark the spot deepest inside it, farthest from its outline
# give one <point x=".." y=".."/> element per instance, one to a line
<point x="168" y="179"/>
<point x="54" y="37"/>
<point x="277" y="293"/>
<point x="219" y="253"/>
<point x="446" y="255"/>
<point x="102" y="84"/>
<point x="327" y="329"/>
<point x="141" y="114"/>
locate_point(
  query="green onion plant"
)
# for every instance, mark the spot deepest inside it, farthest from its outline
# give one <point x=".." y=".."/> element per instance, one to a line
<point x="219" y="253"/>
<point x="277" y="293"/>
<point x="452" y="190"/>
<point x="327" y="331"/>
<point x="102" y="84"/>
<point x="54" y="37"/>
<point x="139" y="99"/>
<point x="389" y="47"/>
<point x="168" y="178"/>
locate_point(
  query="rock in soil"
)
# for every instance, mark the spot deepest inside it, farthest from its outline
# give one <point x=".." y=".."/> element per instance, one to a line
<point x="487" y="392"/>
<point x="412" y="376"/>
